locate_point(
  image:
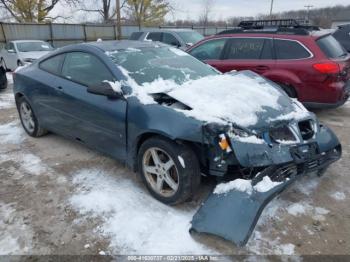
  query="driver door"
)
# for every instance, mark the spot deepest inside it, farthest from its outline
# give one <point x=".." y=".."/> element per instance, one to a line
<point x="95" y="120"/>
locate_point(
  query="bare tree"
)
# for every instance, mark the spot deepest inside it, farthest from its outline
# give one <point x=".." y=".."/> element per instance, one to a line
<point x="105" y="8"/>
<point x="32" y="10"/>
<point x="207" y="8"/>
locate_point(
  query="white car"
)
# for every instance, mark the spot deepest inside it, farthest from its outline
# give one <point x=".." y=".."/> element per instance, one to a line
<point x="21" y="52"/>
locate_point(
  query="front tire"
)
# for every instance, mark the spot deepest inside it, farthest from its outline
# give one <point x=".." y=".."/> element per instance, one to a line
<point x="28" y="119"/>
<point x="170" y="171"/>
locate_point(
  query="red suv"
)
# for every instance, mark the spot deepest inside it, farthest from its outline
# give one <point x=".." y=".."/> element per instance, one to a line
<point x="311" y="66"/>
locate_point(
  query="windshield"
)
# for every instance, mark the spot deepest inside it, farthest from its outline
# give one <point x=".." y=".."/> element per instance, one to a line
<point x="331" y="47"/>
<point x="33" y="46"/>
<point x="168" y="63"/>
<point x="190" y="37"/>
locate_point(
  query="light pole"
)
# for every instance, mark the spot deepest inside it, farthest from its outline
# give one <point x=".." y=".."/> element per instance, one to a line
<point x="271" y="8"/>
<point x="308" y="7"/>
<point x="119" y="27"/>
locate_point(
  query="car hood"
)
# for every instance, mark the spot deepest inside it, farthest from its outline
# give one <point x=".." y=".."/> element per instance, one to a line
<point x="243" y="99"/>
<point x="33" y="55"/>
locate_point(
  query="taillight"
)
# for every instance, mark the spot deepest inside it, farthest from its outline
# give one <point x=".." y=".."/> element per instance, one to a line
<point x="327" y="68"/>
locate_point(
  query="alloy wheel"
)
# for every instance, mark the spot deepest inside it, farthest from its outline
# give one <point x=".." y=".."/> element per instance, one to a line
<point x="27" y="117"/>
<point x="160" y="172"/>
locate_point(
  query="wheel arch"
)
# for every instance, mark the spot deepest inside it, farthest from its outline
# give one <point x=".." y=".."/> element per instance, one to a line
<point x="147" y="135"/>
<point x="286" y="78"/>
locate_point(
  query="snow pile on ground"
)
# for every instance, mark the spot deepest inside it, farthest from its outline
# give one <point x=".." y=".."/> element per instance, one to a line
<point x="7" y="100"/>
<point x="32" y="164"/>
<point x="304" y="208"/>
<point x="16" y="237"/>
<point x="11" y="133"/>
<point x="297" y="209"/>
<point x="243" y="185"/>
<point x="134" y="221"/>
<point x="338" y="196"/>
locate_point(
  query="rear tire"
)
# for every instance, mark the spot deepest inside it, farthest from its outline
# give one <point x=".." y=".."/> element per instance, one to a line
<point x="29" y="121"/>
<point x="161" y="161"/>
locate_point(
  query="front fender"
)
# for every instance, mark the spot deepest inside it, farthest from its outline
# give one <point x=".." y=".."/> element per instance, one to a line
<point x="161" y="120"/>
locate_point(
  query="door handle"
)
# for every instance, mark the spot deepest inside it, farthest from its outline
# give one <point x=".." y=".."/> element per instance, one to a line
<point x="59" y="88"/>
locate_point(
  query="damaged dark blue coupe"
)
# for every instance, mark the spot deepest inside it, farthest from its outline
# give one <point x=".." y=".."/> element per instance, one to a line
<point x="173" y="119"/>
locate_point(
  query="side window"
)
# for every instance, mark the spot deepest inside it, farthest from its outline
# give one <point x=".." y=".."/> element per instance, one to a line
<point x="266" y="52"/>
<point x="155" y="36"/>
<point x="170" y="39"/>
<point x="85" y="68"/>
<point x="245" y="48"/>
<point x="10" y="46"/>
<point x="286" y="49"/>
<point x="135" y="36"/>
<point x="53" y="64"/>
<point x="209" y="50"/>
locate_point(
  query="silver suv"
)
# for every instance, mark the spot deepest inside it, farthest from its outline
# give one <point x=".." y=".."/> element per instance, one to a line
<point x="181" y="38"/>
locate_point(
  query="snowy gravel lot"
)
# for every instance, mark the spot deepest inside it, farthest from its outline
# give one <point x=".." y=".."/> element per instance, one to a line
<point x="58" y="197"/>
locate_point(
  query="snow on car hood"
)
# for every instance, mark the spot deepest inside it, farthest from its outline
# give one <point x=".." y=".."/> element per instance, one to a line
<point x="33" y="55"/>
<point x="243" y="98"/>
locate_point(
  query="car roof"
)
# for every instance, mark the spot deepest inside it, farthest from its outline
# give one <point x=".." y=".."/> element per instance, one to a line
<point x="24" y="41"/>
<point x="168" y="30"/>
<point x="123" y="44"/>
<point x="313" y="34"/>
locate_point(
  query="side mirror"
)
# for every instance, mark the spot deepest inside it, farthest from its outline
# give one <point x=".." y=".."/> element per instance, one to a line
<point x="104" y="89"/>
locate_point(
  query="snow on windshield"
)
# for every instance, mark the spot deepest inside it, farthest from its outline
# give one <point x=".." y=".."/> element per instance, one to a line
<point x="218" y="98"/>
<point x="238" y="97"/>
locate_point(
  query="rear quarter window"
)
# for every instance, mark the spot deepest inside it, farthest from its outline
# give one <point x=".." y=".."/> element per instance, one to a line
<point x="331" y="47"/>
<point x="135" y="36"/>
<point x="289" y="49"/>
<point x="53" y="64"/>
<point x="155" y="36"/>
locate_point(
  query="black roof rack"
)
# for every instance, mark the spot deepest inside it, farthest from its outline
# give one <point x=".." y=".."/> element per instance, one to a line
<point x="276" y="26"/>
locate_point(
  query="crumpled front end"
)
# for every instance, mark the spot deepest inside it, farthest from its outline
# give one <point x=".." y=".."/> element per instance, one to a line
<point x="306" y="144"/>
<point x="274" y="158"/>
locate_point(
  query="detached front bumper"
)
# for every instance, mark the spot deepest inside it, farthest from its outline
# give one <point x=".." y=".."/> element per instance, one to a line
<point x="234" y="215"/>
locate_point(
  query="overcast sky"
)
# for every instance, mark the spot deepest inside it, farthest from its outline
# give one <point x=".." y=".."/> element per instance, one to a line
<point x="228" y="8"/>
<point x="222" y="9"/>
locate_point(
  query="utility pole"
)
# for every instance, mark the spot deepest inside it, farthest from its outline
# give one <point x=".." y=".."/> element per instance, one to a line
<point x="308" y="7"/>
<point x="271" y="8"/>
<point x="119" y="27"/>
